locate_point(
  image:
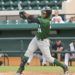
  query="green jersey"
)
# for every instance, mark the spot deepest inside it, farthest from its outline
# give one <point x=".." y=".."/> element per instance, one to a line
<point x="43" y="28"/>
<point x="44" y="25"/>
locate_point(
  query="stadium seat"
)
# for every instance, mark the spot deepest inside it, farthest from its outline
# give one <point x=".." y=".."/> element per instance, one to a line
<point x="42" y="3"/>
<point x="11" y="2"/>
<point x="29" y="4"/>
<point x="33" y="3"/>
<point x="15" y="3"/>
<point x="38" y="8"/>
<point x="3" y="8"/>
<point x="7" y="4"/>
<point x="37" y="1"/>
<point x="2" y="2"/>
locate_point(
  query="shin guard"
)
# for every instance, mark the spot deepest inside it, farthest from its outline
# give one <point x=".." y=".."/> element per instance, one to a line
<point x="23" y="63"/>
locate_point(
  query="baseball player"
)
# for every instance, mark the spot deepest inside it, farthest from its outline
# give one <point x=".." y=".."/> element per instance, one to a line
<point x="41" y="39"/>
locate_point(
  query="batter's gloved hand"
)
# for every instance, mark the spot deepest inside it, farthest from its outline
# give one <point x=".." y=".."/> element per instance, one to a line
<point x="21" y="13"/>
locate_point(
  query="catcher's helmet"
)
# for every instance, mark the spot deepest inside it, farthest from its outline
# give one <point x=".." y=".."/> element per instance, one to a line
<point x="47" y="10"/>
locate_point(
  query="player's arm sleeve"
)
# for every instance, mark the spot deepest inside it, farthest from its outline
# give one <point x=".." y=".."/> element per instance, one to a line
<point x="33" y="19"/>
<point x="30" y="18"/>
<point x="21" y="14"/>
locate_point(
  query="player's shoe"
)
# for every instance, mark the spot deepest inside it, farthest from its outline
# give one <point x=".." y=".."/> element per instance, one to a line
<point x="27" y="63"/>
<point x="44" y="65"/>
<point x="20" y="70"/>
<point x="18" y="74"/>
<point x="66" y="73"/>
<point x="66" y="70"/>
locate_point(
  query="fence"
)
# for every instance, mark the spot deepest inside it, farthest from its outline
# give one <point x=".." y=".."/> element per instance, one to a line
<point x="19" y="49"/>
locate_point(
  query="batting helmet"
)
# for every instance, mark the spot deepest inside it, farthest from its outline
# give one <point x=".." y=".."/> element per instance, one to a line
<point x="47" y="10"/>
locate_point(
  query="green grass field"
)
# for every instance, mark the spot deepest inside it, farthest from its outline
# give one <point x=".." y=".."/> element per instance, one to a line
<point x="36" y="68"/>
